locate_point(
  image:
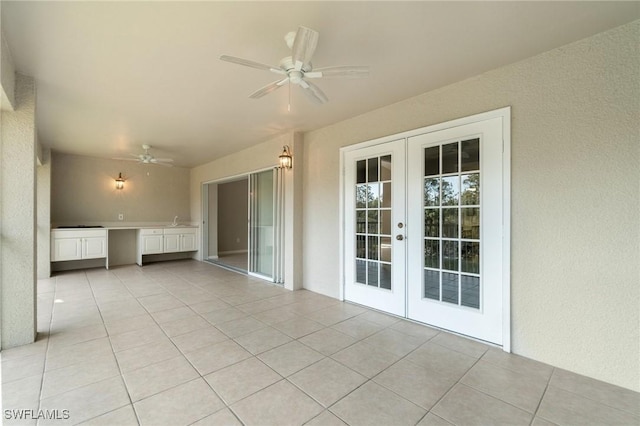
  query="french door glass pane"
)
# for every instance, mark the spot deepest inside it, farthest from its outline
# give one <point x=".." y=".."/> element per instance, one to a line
<point x="470" y="223"/>
<point x="452" y="223"/>
<point x="385" y="168"/>
<point x="385" y="276"/>
<point x="432" y="161"/>
<point x="373" y="221"/>
<point x="431" y="284"/>
<point x="470" y="155"/>
<point x="432" y="222"/>
<point x="432" y="192"/>
<point x="470" y="295"/>
<point x="450" y="158"/>
<point x="450" y="190"/>
<point x="432" y="253"/>
<point x="470" y="257"/>
<point x="450" y="288"/>
<point x="470" y="190"/>
<point x="385" y="222"/>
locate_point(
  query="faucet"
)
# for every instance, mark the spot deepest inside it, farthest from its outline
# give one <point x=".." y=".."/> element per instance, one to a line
<point x="175" y="221"/>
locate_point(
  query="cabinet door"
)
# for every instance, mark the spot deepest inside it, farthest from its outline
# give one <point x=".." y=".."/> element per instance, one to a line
<point x="188" y="242"/>
<point x="152" y="244"/>
<point x="171" y="243"/>
<point x="94" y="247"/>
<point x="67" y="249"/>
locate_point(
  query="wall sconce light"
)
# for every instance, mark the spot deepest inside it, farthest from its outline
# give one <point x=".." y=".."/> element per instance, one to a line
<point x="119" y="181"/>
<point x="286" y="160"/>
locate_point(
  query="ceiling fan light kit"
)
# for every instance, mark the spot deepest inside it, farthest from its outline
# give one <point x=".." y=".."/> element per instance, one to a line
<point x="297" y="68"/>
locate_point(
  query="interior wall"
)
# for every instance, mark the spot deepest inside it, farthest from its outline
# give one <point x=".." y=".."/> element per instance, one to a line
<point x="233" y="208"/>
<point x="574" y="205"/>
<point x="83" y="192"/>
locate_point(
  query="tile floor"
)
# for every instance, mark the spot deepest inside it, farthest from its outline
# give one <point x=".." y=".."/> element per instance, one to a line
<point x="188" y="343"/>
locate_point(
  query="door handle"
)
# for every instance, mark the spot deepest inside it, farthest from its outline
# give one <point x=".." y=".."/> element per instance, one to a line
<point x="399" y="237"/>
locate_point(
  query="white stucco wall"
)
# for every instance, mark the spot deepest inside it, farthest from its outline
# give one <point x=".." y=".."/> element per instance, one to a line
<point x="18" y="211"/>
<point x="575" y="197"/>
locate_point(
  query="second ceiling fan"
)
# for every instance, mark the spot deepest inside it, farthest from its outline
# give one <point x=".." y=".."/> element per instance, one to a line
<point x="297" y="68"/>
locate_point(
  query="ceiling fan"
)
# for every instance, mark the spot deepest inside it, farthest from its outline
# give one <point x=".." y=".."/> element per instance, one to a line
<point x="297" y="68"/>
<point x="147" y="158"/>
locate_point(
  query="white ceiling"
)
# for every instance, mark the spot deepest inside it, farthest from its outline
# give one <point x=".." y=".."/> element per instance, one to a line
<point x="114" y="75"/>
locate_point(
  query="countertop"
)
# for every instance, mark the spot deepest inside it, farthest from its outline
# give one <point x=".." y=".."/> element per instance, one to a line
<point x="115" y="227"/>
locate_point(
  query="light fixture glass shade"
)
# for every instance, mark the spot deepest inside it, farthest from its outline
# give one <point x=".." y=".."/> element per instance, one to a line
<point x="119" y="181"/>
<point x="286" y="161"/>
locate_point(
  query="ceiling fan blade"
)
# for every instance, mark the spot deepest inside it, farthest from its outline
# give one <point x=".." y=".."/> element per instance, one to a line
<point x="160" y="161"/>
<point x="268" y="88"/>
<point x="304" y="46"/>
<point x="344" y="71"/>
<point x="125" y="159"/>
<point x="313" y="92"/>
<point x="252" y="64"/>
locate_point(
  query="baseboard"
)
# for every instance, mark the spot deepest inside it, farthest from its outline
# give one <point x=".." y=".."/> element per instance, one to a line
<point x="232" y="252"/>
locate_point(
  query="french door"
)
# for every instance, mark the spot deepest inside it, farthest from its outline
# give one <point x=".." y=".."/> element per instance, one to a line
<point x="374" y="206"/>
<point x="424" y="228"/>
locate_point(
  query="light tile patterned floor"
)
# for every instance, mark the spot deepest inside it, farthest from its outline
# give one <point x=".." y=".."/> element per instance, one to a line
<point x="180" y="343"/>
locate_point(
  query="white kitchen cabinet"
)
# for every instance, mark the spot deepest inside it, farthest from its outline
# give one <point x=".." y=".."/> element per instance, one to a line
<point x="166" y="240"/>
<point x="171" y="243"/>
<point x="189" y="241"/>
<point x="151" y="241"/>
<point x="78" y="244"/>
<point x="179" y="239"/>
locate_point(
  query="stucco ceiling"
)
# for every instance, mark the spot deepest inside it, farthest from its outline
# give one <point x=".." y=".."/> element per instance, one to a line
<point x="114" y="75"/>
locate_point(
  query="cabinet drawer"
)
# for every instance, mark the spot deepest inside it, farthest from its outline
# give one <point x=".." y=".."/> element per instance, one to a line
<point x="151" y="231"/>
<point x="179" y="231"/>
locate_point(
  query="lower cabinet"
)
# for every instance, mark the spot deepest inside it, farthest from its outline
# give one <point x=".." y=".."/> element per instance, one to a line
<point x="150" y="241"/>
<point x="165" y="240"/>
<point x="74" y="244"/>
<point x="179" y="239"/>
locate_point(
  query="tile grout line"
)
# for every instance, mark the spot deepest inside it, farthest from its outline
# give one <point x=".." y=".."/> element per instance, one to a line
<point x="135" y="413"/>
<point x="44" y="366"/>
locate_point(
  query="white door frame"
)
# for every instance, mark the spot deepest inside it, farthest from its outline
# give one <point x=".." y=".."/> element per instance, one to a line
<point x="505" y="115"/>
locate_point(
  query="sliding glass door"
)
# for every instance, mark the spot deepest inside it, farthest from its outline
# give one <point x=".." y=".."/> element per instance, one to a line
<point x="261" y="223"/>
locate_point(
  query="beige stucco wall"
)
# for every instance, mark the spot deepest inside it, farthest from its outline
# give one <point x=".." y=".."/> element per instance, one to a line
<point x="83" y="192"/>
<point x="575" y="197"/>
<point x="18" y="217"/>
